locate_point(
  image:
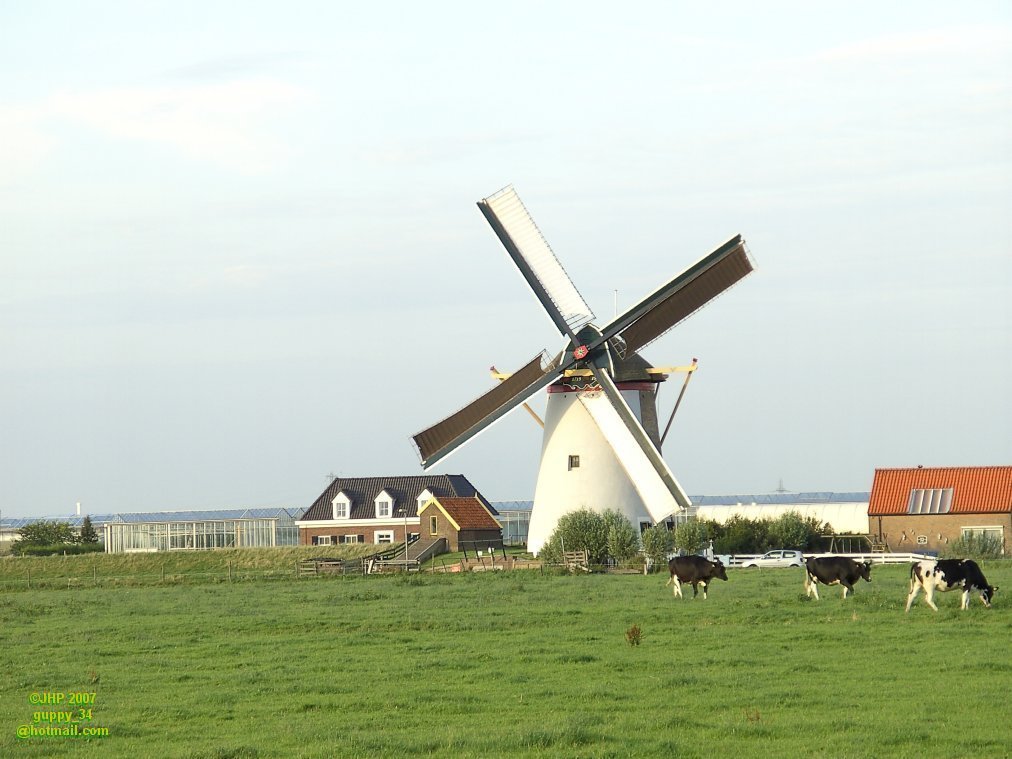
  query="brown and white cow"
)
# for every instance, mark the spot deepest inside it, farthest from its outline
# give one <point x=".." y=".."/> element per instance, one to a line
<point x="694" y="570"/>
<point x="948" y="574"/>
<point x="834" y="570"/>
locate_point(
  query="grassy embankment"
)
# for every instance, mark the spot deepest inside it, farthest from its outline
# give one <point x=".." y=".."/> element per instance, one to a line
<point x="515" y="664"/>
<point x="165" y="567"/>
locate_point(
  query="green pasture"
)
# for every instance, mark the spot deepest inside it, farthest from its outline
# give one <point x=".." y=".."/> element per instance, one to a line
<point x="517" y="664"/>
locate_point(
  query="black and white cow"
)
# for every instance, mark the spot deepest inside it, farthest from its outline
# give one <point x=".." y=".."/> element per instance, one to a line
<point x="948" y="574"/>
<point x="834" y="570"/>
<point x="694" y="569"/>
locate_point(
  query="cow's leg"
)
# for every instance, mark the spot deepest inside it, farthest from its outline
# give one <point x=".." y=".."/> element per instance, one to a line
<point x="670" y="579"/>
<point x="813" y="588"/>
<point x="706" y="584"/>
<point x="914" y="588"/>
<point x="966" y="599"/>
<point x="695" y="589"/>
<point x="847" y="588"/>
<point x="929" y="595"/>
<point x="677" y="590"/>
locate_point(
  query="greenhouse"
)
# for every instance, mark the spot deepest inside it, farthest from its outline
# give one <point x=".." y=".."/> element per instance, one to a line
<point x="201" y="530"/>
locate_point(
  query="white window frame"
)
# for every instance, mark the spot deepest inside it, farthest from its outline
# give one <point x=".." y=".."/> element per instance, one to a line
<point x="930" y="501"/>
<point x="341" y="500"/>
<point x="382" y="537"/>
<point x="323" y="540"/>
<point x="386" y="499"/>
<point x="979" y="530"/>
<point x="349" y="538"/>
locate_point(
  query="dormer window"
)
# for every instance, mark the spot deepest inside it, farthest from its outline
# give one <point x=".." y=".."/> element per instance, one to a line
<point x="342" y="506"/>
<point x="423" y="498"/>
<point x="384" y="505"/>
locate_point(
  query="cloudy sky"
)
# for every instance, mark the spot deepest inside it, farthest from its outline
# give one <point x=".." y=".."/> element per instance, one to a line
<point x="239" y="250"/>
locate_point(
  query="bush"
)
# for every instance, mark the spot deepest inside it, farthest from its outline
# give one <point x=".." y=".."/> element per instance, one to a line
<point x="658" y="542"/>
<point x="43" y="533"/>
<point x="602" y="535"/>
<point x="742" y="535"/>
<point x="975" y="547"/>
<point x="791" y="530"/>
<point x="739" y="535"/>
<point x="691" y="536"/>
<point x="623" y="542"/>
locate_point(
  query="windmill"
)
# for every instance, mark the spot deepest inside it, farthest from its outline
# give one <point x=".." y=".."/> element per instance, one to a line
<point x="600" y="448"/>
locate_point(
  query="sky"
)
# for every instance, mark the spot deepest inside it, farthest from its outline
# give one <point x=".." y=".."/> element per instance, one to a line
<point x="240" y="252"/>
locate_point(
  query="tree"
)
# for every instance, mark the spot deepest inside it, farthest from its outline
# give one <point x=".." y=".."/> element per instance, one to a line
<point x="578" y="531"/>
<point x="44" y="533"/>
<point x="88" y="534"/>
<point x="657" y="544"/>
<point x="690" y="536"/>
<point x="740" y="535"/>
<point x="623" y="542"/>
<point x="791" y="530"/>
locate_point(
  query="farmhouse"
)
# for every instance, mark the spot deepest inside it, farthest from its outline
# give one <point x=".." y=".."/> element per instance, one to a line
<point x="464" y="523"/>
<point x="386" y="509"/>
<point x="927" y="508"/>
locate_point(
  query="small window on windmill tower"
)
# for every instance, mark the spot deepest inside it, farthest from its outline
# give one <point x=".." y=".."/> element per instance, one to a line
<point x="574" y="462"/>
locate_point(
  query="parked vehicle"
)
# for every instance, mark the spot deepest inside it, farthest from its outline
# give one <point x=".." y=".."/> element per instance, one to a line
<point x="781" y="558"/>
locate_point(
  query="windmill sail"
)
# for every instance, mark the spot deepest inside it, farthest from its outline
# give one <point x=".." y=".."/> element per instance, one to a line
<point x="531" y="253"/>
<point x="442" y="438"/>
<point x="649" y="473"/>
<point x="682" y="296"/>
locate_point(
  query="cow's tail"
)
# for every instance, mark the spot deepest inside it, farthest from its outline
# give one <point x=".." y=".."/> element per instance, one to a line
<point x="913" y="578"/>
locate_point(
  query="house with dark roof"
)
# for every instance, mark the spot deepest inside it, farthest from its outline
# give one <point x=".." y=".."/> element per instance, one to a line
<point x="464" y="523"/>
<point x="381" y="509"/>
<point x="928" y="508"/>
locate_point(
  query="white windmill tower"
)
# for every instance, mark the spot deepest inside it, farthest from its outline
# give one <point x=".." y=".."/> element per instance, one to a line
<point x="600" y="449"/>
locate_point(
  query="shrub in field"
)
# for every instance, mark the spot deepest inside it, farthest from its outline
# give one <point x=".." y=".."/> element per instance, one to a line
<point x="633" y="635"/>
<point x="658" y="541"/>
<point x="971" y="546"/>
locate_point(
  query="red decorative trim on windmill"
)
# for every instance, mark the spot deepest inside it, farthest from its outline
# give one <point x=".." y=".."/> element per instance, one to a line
<point x="595" y="388"/>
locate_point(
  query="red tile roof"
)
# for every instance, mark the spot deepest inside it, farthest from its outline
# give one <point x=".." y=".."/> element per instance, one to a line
<point x="468" y="513"/>
<point x="975" y="489"/>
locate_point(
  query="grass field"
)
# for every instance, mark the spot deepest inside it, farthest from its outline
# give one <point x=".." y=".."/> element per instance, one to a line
<point x="518" y="664"/>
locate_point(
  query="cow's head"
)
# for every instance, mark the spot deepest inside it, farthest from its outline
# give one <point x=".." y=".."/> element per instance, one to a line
<point x="718" y="569"/>
<point x="987" y="594"/>
<point x="865" y="569"/>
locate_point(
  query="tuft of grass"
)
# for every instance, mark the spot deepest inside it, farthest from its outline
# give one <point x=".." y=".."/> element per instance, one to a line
<point x="633" y="635"/>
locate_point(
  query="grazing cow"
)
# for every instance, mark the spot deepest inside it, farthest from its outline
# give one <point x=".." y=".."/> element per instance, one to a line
<point x="948" y="574"/>
<point x="694" y="569"/>
<point x="834" y="570"/>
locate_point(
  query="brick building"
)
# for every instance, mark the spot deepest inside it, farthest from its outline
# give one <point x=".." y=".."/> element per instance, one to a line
<point x="378" y="509"/>
<point x="928" y="508"/>
<point x="465" y="523"/>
